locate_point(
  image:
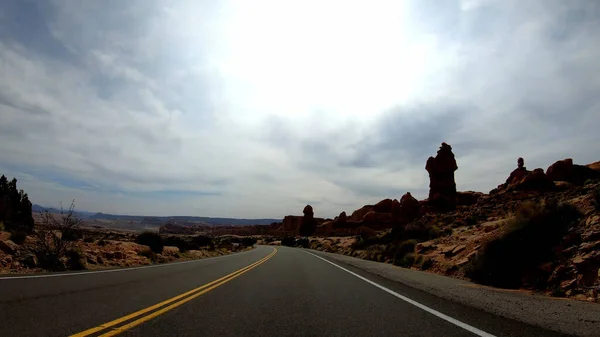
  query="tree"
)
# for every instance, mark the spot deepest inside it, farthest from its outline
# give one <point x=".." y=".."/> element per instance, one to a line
<point x="15" y="207"/>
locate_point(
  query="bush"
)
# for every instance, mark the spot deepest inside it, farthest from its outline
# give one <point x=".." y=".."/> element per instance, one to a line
<point x="1" y="226"/>
<point x="426" y="263"/>
<point x="407" y="260"/>
<point x="76" y="260"/>
<point x="152" y="240"/>
<point x="51" y="246"/>
<point x="527" y="241"/>
<point x="303" y="242"/>
<point x="88" y="239"/>
<point x="288" y="241"/>
<point x="181" y="243"/>
<point x="72" y="235"/>
<point x="248" y="241"/>
<point x="203" y="241"/>
<point x="18" y="237"/>
<point x="152" y="256"/>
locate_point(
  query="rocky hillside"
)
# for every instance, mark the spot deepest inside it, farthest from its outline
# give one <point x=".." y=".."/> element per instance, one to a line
<point x="538" y="230"/>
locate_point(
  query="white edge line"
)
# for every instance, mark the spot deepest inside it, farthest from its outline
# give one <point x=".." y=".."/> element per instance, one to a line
<point x="4" y="278"/>
<point x="415" y="303"/>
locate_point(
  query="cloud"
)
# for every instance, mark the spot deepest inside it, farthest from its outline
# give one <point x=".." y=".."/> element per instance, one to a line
<point x="232" y="109"/>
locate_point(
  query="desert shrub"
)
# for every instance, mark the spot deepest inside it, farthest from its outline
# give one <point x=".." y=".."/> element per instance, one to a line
<point x="88" y="239"/>
<point x="269" y="239"/>
<point x="18" y="237"/>
<point x="407" y="260"/>
<point x="72" y="234"/>
<point x="181" y="243"/>
<point x="203" y="241"/>
<point x="406" y="247"/>
<point x="102" y="242"/>
<point x="152" y="240"/>
<point x="425" y="263"/>
<point x="526" y="242"/>
<point x="248" y="241"/>
<point x="288" y="241"/>
<point x="51" y="247"/>
<point x="152" y="256"/>
<point x="303" y="242"/>
<point x="1" y="226"/>
<point x="76" y="260"/>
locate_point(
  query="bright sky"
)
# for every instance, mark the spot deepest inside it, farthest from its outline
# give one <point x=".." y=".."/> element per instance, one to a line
<point x="257" y="108"/>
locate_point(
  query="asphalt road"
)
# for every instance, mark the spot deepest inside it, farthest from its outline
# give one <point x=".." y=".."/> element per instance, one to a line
<point x="289" y="292"/>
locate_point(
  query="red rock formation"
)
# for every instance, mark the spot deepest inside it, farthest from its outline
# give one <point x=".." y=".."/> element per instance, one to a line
<point x="342" y="218"/>
<point x="534" y="181"/>
<point x="565" y="170"/>
<point x="594" y="166"/>
<point x="410" y="208"/>
<point x="291" y="224"/>
<point x="377" y="220"/>
<point x="360" y="213"/>
<point x="395" y="209"/>
<point x="384" y="206"/>
<point x="309" y="224"/>
<point x="517" y="175"/>
<point x="442" y="187"/>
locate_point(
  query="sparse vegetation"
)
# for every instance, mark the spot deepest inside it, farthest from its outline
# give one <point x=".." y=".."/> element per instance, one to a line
<point x="51" y="247"/>
<point x="152" y="240"/>
<point x="527" y="241"/>
<point x="303" y="242"/>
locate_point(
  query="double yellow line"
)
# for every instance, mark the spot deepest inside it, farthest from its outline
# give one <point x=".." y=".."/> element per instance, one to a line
<point x="166" y="305"/>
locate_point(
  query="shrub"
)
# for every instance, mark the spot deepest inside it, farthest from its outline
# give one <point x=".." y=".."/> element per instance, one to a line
<point x="181" y="243"/>
<point x="149" y="254"/>
<point x="288" y="241"/>
<point x="51" y="246"/>
<point x="152" y="240"/>
<point x="72" y="235"/>
<point x="407" y="260"/>
<point x="526" y="242"/>
<point x="248" y="241"/>
<point x="425" y="263"/>
<point x="88" y="239"/>
<point x="76" y="260"/>
<point x="18" y="237"/>
<point x="102" y="242"/>
<point x="303" y="242"/>
<point x="1" y="226"/>
<point x="202" y="241"/>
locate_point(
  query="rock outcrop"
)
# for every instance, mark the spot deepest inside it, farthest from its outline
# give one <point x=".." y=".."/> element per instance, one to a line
<point x="442" y="187"/>
<point x="410" y="208"/>
<point x="309" y="224"/>
<point x="565" y="170"/>
<point x="360" y="213"/>
<point x="517" y="175"/>
<point x="384" y="206"/>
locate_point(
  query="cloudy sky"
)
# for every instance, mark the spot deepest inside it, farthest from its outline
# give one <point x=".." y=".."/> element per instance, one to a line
<point x="257" y="108"/>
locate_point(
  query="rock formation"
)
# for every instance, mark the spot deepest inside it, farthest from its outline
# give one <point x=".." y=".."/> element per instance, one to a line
<point x="517" y="175"/>
<point x="309" y="224"/>
<point x="442" y="187"/>
<point x="384" y="206"/>
<point x="565" y="170"/>
<point x="342" y="218"/>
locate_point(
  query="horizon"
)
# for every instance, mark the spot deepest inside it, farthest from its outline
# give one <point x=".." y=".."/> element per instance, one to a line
<point x="254" y="110"/>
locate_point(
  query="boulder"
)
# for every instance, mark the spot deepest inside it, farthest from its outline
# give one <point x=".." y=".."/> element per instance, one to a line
<point x="467" y="198"/>
<point x="384" y="206"/>
<point x="8" y="246"/>
<point x="442" y="187"/>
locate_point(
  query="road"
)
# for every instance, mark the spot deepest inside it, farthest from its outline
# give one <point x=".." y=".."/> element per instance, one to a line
<point x="278" y="291"/>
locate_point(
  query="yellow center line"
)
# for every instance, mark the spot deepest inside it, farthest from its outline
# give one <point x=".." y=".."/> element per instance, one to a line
<point x="194" y="293"/>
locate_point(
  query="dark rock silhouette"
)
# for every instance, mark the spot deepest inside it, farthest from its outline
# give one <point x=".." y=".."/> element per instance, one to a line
<point x="309" y="224"/>
<point x="442" y="187"/>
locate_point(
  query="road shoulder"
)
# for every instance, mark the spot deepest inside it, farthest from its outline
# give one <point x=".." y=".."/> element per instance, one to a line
<point x="562" y="315"/>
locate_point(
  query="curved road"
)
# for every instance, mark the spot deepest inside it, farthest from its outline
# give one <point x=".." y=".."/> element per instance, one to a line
<point x="263" y="292"/>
